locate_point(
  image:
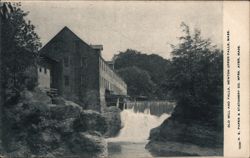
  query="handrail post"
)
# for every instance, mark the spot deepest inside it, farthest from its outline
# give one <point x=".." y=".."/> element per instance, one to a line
<point x="1" y="88"/>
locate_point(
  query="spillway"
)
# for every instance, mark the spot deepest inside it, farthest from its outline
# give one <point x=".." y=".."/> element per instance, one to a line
<point x="133" y="136"/>
<point x="137" y="125"/>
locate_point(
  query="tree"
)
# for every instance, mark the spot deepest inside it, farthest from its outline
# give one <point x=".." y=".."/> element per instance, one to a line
<point x="19" y="51"/>
<point x="196" y="79"/>
<point x="139" y="82"/>
<point x="5" y="9"/>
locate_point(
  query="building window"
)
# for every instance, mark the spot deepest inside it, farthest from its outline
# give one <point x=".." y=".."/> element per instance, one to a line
<point x="66" y="80"/>
<point x="66" y="61"/>
<point x="102" y="82"/>
<point x="106" y="84"/>
<point x="82" y="80"/>
<point x="45" y="71"/>
<point x="77" y="46"/>
<point x="70" y="61"/>
<point x="83" y="61"/>
<point x="56" y="45"/>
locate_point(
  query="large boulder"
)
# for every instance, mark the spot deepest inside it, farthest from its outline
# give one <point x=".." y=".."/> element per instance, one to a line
<point x="36" y="96"/>
<point x="113" y="118"/>
<point x="44" y="142"/>
<point x="58" y="100"/>
<point x="35" y="126"/>
<point x="66" y="110"/>
<point x="195" y="133"/>
<point x="175" y="138"/>
<point x="88" y="144"/>
<point x="89" y="120"/>
<point x="65" y="127"/>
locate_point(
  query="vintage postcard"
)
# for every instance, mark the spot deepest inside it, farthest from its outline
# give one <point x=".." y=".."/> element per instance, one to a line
<point x="124" y="79"/>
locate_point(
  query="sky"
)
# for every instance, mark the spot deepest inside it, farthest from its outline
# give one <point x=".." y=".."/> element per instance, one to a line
<point x="146" y="26"/>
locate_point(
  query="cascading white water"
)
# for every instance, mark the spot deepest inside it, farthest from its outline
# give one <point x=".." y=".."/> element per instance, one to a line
<point x="137" y="126"/>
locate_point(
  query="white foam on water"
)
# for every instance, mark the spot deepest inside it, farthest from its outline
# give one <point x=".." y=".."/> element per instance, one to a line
<point x="137" y="126"/>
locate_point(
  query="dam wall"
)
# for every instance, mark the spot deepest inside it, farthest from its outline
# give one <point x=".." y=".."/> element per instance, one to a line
<point x="153" y="107"/>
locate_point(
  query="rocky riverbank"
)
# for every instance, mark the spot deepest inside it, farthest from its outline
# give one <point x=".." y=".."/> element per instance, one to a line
<point x="172" y="148"/>
<point x="175" y="138"/>
<point x="37" y="125"/>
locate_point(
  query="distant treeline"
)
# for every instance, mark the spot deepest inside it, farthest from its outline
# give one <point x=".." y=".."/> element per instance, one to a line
<point x="144" y="74"/>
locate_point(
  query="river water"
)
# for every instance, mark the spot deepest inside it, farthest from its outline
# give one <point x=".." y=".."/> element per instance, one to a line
<point x="131" y="141"/>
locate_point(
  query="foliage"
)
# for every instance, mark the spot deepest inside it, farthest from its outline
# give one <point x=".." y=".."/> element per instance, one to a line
<point x="196" y="79"/>
<point x="155" y="66"/>
<point x="193" y="77"/>
<point x="139" y="81"/>
<point x="20" y="46"/>
<point x="5" y="9"/>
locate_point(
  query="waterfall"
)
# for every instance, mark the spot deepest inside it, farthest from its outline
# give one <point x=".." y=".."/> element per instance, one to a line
<point x="137" y="125"/>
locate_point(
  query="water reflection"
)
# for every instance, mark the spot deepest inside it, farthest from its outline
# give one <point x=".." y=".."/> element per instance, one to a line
<point x="128" y="150"/>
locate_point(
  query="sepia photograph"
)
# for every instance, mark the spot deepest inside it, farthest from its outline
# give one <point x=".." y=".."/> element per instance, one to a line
<point x="106" y="79"/>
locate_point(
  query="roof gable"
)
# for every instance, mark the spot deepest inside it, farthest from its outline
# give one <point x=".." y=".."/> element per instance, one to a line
<point x="60" y="34"/>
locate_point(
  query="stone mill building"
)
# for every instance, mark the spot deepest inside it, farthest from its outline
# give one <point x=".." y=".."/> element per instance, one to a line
<point x="78" y="72"/>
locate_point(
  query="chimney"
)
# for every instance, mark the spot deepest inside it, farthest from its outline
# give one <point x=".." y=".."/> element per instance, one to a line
<point x="98" y="48"/>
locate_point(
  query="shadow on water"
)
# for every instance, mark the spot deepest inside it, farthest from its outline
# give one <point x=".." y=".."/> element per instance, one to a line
<point x="128" y="150"/>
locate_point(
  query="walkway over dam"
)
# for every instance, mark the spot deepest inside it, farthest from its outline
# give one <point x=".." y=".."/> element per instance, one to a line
<point x="152" y="107"/>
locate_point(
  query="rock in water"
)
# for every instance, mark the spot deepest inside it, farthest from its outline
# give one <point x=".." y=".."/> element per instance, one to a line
<point x="89" y="120"/>
<point x="88" y="144"/>
<point x="113" y="118"/>
<point x="174" y="138"/>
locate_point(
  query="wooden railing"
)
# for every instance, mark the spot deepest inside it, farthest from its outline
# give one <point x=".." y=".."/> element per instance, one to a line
<point x="53" y="92"/>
